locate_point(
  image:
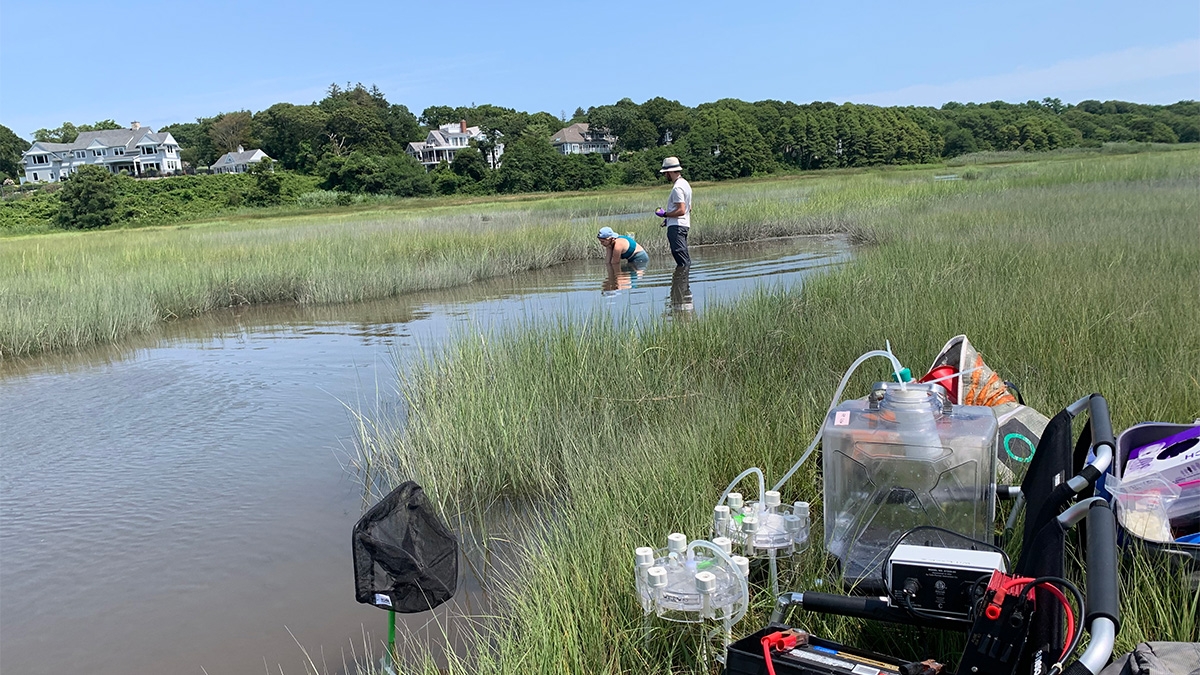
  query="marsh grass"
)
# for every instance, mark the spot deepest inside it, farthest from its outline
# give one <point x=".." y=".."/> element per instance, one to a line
<point x="71" y="290"/>
<point x="1069" y="276"/>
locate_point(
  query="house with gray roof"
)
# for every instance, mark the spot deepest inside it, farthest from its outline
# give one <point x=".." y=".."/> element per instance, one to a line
<point x="443" y="143"/>
<point x="237" y="162"/>
<point x="581" y="139"/>
<point x="136" y="151"/>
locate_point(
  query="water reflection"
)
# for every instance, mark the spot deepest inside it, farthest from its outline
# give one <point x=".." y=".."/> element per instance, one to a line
<point x="680" y="300"/>
<point x="623" y="277"/>
<point x="198" y="474"/>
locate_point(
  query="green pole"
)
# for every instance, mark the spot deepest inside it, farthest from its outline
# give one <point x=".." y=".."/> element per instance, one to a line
<point x="392" y="637"/>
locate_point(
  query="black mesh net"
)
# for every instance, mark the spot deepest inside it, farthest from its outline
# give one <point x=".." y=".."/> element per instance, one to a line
<point x="405" y="558"/>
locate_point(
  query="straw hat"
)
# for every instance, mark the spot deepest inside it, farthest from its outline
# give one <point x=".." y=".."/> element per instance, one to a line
<point x="671" y="164"/>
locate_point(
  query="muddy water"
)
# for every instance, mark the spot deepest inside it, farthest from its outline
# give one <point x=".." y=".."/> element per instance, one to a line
<point x="181" y="503"/>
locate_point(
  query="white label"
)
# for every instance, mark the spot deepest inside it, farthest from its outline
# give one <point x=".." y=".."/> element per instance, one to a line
<point x="841" y="418"/>
<point x="866" y="670"/>
<point x="824" y="660"/>
<point x="383" y="600"/>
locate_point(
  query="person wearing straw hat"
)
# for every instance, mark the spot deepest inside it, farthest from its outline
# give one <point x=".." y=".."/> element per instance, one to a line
<point x="677" y="216"/>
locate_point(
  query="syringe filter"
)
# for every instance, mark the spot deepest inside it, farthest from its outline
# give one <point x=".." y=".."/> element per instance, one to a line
<point x="743" y="564"/>
<point x="644" y="555"/>
<point x="734" y="500"/>
<point x="658" y="577"/>
<point x="723" y="543"/>
<point x="677" y="542"/>
<point x="771" y="499"/>
<point x="706" y="583"/>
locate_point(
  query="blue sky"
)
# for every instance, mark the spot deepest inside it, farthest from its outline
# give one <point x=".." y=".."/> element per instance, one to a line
<point x="161" y="62"/>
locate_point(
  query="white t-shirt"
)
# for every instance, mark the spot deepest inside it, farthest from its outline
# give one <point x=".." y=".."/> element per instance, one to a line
<point x="681" y="193"/>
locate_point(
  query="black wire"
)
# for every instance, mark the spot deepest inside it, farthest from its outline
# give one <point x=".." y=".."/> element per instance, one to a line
<point x="1075" y="639"/>
<point x="916" y="612"/>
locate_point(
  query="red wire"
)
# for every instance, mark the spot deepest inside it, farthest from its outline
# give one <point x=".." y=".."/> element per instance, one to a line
<point x="1062" y="599"/>
<point x="767" y="657"/>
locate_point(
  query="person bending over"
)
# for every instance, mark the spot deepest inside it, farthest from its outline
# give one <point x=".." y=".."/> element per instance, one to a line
<point x="620" y="248"/>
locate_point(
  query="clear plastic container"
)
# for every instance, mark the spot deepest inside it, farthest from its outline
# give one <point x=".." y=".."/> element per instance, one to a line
<point x="899" y="459"/>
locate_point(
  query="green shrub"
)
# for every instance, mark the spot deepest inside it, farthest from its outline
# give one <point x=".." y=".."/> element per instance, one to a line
<point x="89" y="200"/>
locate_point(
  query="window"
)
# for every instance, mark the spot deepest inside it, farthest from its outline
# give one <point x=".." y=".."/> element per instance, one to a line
<point x="35" y="175"/>
<point x="149" y="150"/>
<point x="80" y="154"/>
<point x="118" y="151"/>
<point x="98" y="153"/>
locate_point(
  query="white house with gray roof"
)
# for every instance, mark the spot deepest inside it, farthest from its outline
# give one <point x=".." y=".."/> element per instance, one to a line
<point x="136" y="150"/>
<point x="443" y="143"/>
<point x="580" y="139"/>
<point x="237" y="162"/>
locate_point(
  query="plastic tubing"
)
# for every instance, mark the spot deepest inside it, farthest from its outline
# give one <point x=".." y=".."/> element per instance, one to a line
<point x="837" y="398"/>
<point x="761" y="484"/>
<point x="733" y="569"/>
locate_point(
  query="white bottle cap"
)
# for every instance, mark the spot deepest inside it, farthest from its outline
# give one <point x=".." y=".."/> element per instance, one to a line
<point x="743" y="564"/>
<point x="706" y="582"/>
<point x="723" y="543"/>
<point x="658" y="577"/>
<point x="677" y="542"/>
<point x="734" y="500"/>
<point x="749" y="524"/>
<point x="771" y="499"/>
<point x="800" y="509"/>
<point x="720" y="513"/>
<point x="644" y="555"/>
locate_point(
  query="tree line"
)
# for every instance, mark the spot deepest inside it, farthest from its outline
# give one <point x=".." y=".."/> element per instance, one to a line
<point x="354" y="139"/>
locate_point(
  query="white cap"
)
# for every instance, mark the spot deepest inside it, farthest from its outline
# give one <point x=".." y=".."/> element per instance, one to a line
<point x="721" y="513"/>
<point x="644" y="555"/>
<point x="723" y="543"/>
<point x="792" y="523"/>
<point x="800" y="509"/>
<point x="658" y="577"/>
<point x="743" y="564"/>
<point x="771" y="499"/>
<point x="734" y="500"/>
<point x="750" y="524"/>
<point x="706" y="582"/>
<point x="677" y="542"/>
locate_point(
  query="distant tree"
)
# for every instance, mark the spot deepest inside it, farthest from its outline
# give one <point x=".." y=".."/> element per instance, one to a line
<point x="11" y="147"/>
<point x="469" y="163"/>
<point x="960" y="142"/>
<point x="268" y="185"/>
<point x="195" y="144"/>
<point x="531" y="164"/>
<point x="67" y="133"/>
<point x="291" y="134"/>
<point x="398" y="175"/>
<point x="639" y="134"/>
<point x="437" y="115"/>
<point x="89" y="199"/>
<point x="722" y="145"/>
<point x="230" y="130"/>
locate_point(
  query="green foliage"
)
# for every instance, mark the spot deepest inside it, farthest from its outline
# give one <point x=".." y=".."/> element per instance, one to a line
<point x="268" y="185"/>
<point x="398" y="175"/>
<point x="721" y="145"/>
<point x="11" y="147"/>
<point x="89" y="199"/>
<point x="68" y="132"/>
<point x="469" y="163"/>
<point x="291" y="134"/>
<point x="195" y="144"/>
<point x="229" y="130"/>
